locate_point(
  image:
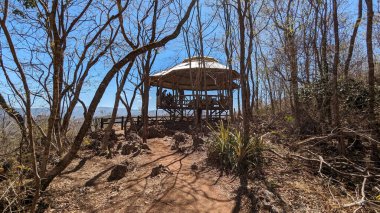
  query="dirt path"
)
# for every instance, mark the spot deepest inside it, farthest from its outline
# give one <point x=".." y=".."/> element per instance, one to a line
<point x="285" y="185"/>
<point x="84" y="186"/>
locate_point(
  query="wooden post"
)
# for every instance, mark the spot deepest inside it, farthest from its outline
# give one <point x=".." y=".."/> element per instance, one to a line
<point x="156" y="117"/>
<point x="122" y="122"/>
<point x="101" y="123"/>
<point x="199" y="116"/>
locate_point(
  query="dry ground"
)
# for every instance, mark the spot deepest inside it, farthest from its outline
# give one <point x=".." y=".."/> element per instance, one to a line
<point x="284" y="186"/>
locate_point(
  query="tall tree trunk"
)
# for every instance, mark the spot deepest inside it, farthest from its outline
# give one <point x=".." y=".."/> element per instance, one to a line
<point x="149" y="60"/>
<point x="334" y="83"/>
<point x="249" y="68"/>
<point x="257" y="89"/>
<point x="254" y="82"/>
<point x="28" y="108"/>
<point x="307" y="55"/>
<point x="352" y="40"/>
<point x="291" y="50"/>
<point x="371" y="79"/>
<point x="128" y="107"/>
<point x="57" y="51"/>
<point x="270" y="92"/>
<point x="228" y="51"/>
<point x="270" y="87"/>
<point x="145" y="95"/>
<point x="324" y="102"/>
<point x="106" y="143"/>
<point x="243" y="78"/>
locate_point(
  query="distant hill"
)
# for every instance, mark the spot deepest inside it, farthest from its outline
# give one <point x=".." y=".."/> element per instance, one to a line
<point x="100" y="112"/>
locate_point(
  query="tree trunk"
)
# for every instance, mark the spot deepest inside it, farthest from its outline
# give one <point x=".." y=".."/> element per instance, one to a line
<point x="228" y="51"/>
<point x="145" y="99"/>
<point x="107" y="133"/>
<point x="243" y="78"/>
<point x="352" y="40"/>
<point x="334" y="83"/>
<point x="291" y="49"/>
<point x="371" y="80"/>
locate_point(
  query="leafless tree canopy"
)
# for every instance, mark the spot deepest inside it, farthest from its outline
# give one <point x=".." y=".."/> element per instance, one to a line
<point x="315" y="64"/>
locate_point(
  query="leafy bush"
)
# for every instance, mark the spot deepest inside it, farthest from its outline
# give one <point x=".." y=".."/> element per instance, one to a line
<point x="353" y="94"/>
<point x="227" y="148"/>
<point x="353" y="97"/>
<point x="86" y="141"/>
<point x="289" y="118"/>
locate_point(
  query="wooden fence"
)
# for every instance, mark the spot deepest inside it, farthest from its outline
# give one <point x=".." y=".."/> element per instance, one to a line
<point x="137" y="120"/>
<point x="123" y="120"/>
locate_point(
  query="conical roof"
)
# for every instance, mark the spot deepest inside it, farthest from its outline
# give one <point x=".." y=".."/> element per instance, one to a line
<point x="196" y="74"/>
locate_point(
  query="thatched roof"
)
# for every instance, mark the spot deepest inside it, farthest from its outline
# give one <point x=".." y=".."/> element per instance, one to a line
<point x="191" y="74"/>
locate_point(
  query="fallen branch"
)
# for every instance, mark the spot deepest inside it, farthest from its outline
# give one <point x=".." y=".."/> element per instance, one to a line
<point x="317" y="139"/>
<point x="332" y="195"/>
<point x="362" y="201"/>
<point x="274" y="152"/>
<point x="344" y="132"/>
<point x="351" y="133"/>
<point x="322" y="162"/>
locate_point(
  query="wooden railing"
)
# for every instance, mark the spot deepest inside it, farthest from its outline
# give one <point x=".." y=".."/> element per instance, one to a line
<point x="123" y="120"/>
<point x="189" y="102"/>
<point x="100" y="122"/>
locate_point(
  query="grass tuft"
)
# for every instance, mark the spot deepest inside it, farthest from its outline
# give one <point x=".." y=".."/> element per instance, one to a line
<point x="227" y="148"/>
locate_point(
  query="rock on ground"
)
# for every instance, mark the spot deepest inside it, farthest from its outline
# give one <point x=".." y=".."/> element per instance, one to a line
<point x="179" y="137"/>
<point x="133" y="137"/>
<point x="158" y="170"/>
<point x="118" y="172"/>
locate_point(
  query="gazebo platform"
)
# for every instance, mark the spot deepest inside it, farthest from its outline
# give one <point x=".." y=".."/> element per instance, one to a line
<point x="195" y="87"/>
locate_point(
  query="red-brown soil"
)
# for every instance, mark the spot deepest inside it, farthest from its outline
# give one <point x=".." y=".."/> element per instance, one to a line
<point x="88" y="190"/>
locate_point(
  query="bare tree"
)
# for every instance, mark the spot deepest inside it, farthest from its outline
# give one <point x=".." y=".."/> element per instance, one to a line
<point x="242" y="10"/>
<point x="289" y="29"/>
<point x="352" y="40"/>
<point x="105" y="142"/>
<point x="228" y="46"/>
<point x="101" y="89"/>
<point x="371" y="78"/>
<point x="63" y="75"/>
<point x="334" y="86"/>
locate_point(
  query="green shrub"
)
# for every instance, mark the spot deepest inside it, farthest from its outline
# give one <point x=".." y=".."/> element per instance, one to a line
<point x="86" y="141"/>
<point x="353" y="94"/>
<point x="289" y="118"/>
<point x="227" y="148"/>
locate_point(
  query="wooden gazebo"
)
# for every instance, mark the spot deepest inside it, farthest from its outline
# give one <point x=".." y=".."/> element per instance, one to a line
<point x="199" y="86"/>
